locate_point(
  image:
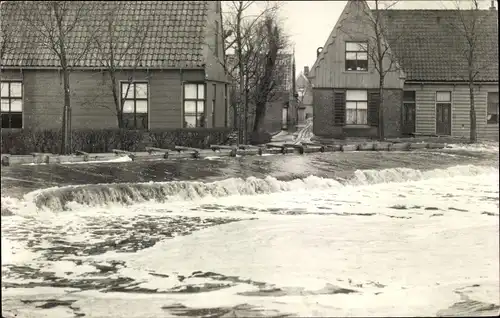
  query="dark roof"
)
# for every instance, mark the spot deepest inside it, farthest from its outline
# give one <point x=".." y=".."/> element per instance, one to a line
<point x="175" y="33"/>
<point x="428" y="46"/>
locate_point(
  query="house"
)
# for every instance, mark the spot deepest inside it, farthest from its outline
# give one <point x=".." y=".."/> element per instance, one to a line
<point x="426" y="93"/>
<point x="278" y="114"/>
<point x="177" y="82"/>
<point x="305" y="97"/>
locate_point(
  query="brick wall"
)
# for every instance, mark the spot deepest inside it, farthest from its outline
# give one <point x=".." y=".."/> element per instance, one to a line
<point x="323" y="120"/>
<point x="92" y="100"/>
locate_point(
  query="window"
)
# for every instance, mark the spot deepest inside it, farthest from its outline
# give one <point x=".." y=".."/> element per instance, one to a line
<point x="225" y="105"/>
<point x="356" y="107"/>
<point x="409" y="106"/>
<point x="135" y="105"/>
<point x="443" y="98"/>
<point x="194" y="105"/>
<point x="492" y="116"/>
<point x="356" y="56"/>
<point x="214" y="98"/>
<point x="12" y="105"/>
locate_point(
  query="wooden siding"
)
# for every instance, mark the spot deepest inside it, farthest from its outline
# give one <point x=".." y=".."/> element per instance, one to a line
<point x="460" y="122"/>
<point x="92" y="101"/>
<point x="329" y="69"/>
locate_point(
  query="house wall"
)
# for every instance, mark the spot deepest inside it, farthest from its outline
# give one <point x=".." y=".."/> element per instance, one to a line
<point x="425" y="95"/>
<point x="329" y="70"/>
<point x="214" y="62"/>
<point x="92" y="101"/>
<point x="323" y="119"/>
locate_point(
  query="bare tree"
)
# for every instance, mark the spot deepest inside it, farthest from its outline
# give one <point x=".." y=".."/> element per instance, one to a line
<point x="240" y="24"/>
<point x="378" y="50"/>
<point x="468" y="28"/>
<point x="55" y="23"/>
<point x="120" y="39"/>
<point x="8" y="33"/>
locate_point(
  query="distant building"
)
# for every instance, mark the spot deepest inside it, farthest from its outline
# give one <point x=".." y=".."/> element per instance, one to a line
<point x="277" y="115"/>
<point x="178" y="82"/>
<point x="428" y="95"/>
<point x="305" y="97"/>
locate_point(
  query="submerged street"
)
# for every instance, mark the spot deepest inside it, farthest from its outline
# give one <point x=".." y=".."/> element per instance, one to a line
<point x="327" y="234"/>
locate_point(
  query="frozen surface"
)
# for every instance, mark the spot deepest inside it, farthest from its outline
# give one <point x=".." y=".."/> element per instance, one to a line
<point x="382" y="242"/>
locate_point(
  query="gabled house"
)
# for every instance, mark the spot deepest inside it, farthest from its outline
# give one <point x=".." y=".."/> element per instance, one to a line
<point x="426" y="94"/>
<point x="177" y="82"/>
<point x="305" y="98"/>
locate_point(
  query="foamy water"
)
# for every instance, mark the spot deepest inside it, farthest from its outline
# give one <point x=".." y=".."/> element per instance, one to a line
<point x="391" y="242"/>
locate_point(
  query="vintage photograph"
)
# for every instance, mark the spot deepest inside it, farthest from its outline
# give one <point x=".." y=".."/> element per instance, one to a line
<point x="249" y="159"/>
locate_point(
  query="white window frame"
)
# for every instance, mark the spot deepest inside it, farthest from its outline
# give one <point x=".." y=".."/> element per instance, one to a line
<point x="357" y="52"/>
<point x="134" y="99"/>
<point x="487" y="109"/>
<point x="200" y="87"/>
<point x="358" y="102"/>
<point x="9" y="98"/>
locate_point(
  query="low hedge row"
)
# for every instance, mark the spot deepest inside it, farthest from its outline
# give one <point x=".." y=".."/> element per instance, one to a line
<point x="23" y="142"/>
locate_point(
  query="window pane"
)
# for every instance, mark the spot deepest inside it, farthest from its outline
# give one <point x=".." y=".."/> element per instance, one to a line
<point x="492" y="108"/>
<point x="493" y="97"/>
<point x="356" y="95"/>
<point x="201" y="107"/>
<point x="5" y="121"/>
<point x="201" y="91"/>
<point x="443" y="96"/>
<point x="409" y="96"/>
<point x="189" y="121"/>
<point x="141" y="121"/>
<point x="190" y="107"/>
<point x="5" y="105"/>
<point x="350" y="105"/>
<point x="362" y="105"/>
<point x="362" y="118"/>
<point x="355" y="46"/>
<point x="127" y="90"/>
<point x="350" y="56"/>
<point x="141" y="106"/>
<point x="350" y="65"/>
<point x="362" y="56"/>
<point x="15" y="89"/>
<point x="190" y="91"/>
<point x="16" y="120"/>
<point x="362" y="65"/>
<point x="350" y="118"/>
<point x="141" y="90"/>
<point x="128" y="121"/>
<point x="363" y="46"/>
<point x="128" y="106"/>
<point x="201" y="120"/>
<point x="5" y="89"/>
<point x="16" y="105"/>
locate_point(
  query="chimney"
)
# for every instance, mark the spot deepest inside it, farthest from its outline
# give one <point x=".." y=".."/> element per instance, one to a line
<point x="306" y="71"/>
<point x="492" y="5"/>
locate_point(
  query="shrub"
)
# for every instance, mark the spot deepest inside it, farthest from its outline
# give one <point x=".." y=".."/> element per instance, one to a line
<point x="23" y="142"/>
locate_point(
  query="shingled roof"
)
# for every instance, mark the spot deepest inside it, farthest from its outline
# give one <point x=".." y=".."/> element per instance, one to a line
<point x="175" y="34"/>
<point x="427" y="43"/>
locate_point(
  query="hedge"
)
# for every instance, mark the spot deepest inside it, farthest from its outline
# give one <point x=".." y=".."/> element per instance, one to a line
<point x="23" y="142"/>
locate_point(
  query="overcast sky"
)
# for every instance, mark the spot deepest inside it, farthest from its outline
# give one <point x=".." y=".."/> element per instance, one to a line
<point x="309" y="23"/>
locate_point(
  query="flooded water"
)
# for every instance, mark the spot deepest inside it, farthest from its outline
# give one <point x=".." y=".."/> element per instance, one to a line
<point x="333" y="234"/>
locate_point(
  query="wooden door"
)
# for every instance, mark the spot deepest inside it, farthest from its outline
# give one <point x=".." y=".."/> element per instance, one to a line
<point x="409" y="118"/>
<point x="443" y="119"/>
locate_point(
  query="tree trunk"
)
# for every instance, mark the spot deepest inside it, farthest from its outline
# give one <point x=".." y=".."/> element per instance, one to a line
<point x="66" y="122"/>
<point x="381" y="133"/>
<point x="472" y="114"/>
<point x="117" y="99"/>
<point x="260" y="114"/>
